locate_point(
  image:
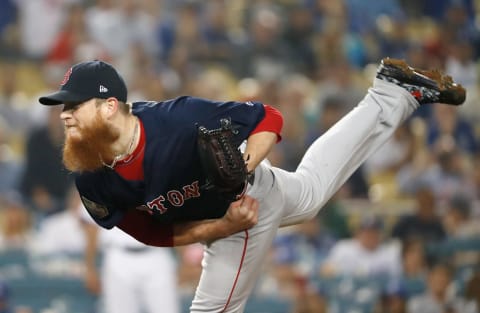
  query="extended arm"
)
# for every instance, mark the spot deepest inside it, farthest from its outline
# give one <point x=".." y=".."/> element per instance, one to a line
<point x="241" y="215"/>
<point x="258" y="147"/>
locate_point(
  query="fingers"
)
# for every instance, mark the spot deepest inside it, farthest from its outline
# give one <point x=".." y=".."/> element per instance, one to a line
<point x="237" y="202"/>
<point x="249" y="203"/>
<point x="250" y="207"/>
<point x="244" y="211"/>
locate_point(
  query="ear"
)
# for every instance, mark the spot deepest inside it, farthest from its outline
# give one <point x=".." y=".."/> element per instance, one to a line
<point x="110" y="107"/>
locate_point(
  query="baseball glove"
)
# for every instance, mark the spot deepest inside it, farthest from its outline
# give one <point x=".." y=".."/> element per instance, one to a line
<point x="222" y="161"/>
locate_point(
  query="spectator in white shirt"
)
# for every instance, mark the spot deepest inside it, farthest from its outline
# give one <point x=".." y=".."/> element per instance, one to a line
<point x="364" y="255"/>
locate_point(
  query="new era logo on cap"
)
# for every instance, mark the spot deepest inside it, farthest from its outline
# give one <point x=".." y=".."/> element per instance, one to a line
<point x="103" y="89"/>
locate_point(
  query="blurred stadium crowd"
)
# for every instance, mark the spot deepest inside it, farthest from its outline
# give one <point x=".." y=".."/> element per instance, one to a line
<point x="402" y="235"/>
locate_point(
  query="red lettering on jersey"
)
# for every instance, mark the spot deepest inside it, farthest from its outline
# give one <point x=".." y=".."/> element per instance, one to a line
<point x="175" y="198"/>
<point x="157" y="205"/>
<point x="66" y="77"/>
<point x="191" y="191"/>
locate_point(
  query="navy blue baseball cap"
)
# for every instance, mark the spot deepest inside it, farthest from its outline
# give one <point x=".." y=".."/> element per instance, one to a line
<point x="87" y="80"/>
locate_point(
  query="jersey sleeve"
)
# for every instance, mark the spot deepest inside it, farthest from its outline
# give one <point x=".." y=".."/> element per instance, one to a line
<point x="249" y="117"/>
<point x="100" y="212"/>
<point x="244" y="116"/>
<point x="94" y="190"/>
<point x="272" y="122"/>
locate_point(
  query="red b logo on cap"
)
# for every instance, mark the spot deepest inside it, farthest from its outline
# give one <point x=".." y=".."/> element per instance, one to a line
<point x="66" y="77"/>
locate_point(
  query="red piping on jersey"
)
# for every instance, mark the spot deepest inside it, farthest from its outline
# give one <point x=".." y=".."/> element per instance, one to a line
<point x="245" y="244"/>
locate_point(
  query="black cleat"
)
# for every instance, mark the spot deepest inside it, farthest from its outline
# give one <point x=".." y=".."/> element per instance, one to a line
<point x="426" y="86"/>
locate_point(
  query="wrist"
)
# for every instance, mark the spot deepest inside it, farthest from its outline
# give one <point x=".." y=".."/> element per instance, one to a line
<point x="223" y="227"/>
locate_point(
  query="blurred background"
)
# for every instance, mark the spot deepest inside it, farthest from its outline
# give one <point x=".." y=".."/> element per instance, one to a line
<point x="402" y="235"/>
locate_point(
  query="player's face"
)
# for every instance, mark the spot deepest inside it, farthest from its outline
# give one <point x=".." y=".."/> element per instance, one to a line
<point x="77" y="116"/>
<point x="88" y="138"/>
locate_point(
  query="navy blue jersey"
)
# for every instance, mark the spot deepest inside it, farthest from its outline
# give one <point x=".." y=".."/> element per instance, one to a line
<point x="171" y="189"/>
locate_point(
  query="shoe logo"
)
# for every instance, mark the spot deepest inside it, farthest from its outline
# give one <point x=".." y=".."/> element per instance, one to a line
<point x="103" y="89"/>
<point x="417" y="94"/>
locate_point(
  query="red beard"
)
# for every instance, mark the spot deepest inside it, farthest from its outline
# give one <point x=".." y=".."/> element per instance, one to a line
<point x="88" y="153"/>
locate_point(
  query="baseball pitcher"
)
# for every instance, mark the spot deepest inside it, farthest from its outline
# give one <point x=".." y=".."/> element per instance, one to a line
<point x="170" y="172"/>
